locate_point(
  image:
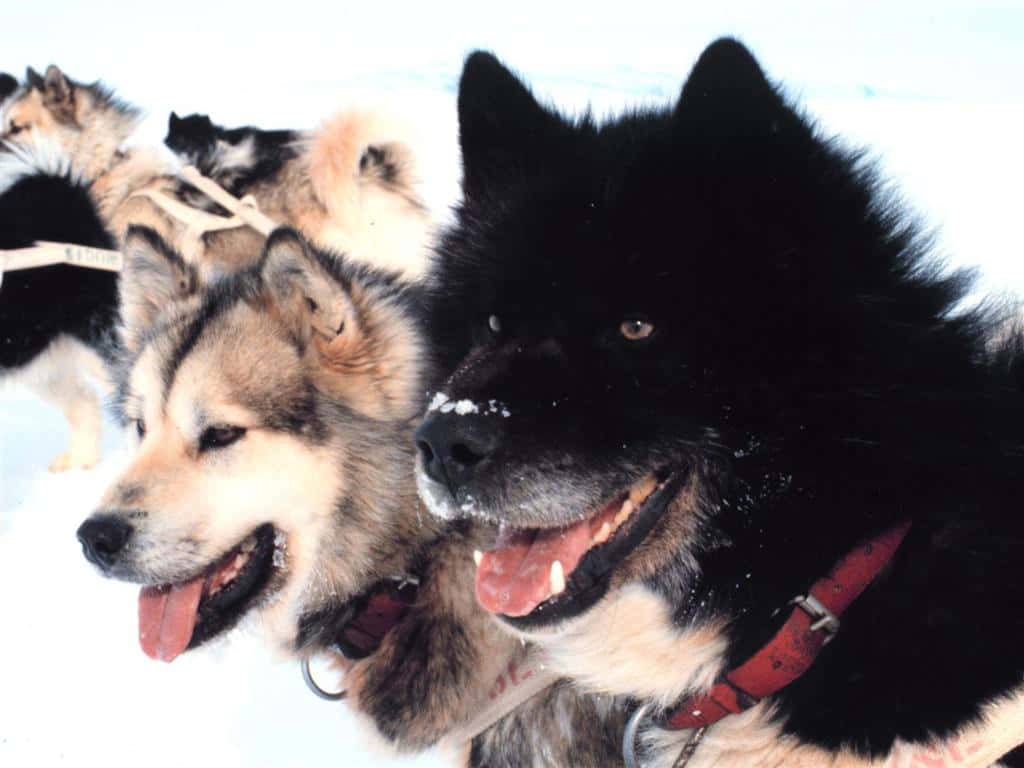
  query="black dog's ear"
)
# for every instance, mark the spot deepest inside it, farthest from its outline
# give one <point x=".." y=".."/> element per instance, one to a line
<point x="306" y="293"/>
<point x="173" y="121"/>
<point x="8" y="85"/>
<point x="154" y="277"/>
<point x="727" y="93"/>
<point x="34" y="79"/>
<point x="500" y="122"/>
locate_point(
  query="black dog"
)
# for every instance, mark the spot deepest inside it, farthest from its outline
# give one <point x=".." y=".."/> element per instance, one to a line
<point x="700" y="357"/>
<point x="236" y="158"/>
<point x="8" y="85"/>
<point x="57" y="323"/>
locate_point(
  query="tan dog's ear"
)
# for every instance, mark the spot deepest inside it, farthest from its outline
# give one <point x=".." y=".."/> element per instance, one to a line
<point x="308" y="294"/>
<point x="34" y="80"/>
<point x="59" y="95"/>
<point x="153" y="278"/>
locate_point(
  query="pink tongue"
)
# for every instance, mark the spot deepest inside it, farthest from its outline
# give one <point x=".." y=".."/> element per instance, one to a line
<point x="167" y="616"/>
<point x="515" y="577"/>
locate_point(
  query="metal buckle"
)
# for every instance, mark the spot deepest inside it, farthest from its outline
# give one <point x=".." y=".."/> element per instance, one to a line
<point x="629" y="755"/>
<point x="629" y="737"/>
<point x="307" y="675"/>
<point x="822" y="617"/>
<point x="405" y="580"/>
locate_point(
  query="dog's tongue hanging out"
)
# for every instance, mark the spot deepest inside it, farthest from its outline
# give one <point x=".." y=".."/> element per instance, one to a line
<point x="168" y="612"/>
<point x="525" y="568"/>
<point x="167" y="616"/>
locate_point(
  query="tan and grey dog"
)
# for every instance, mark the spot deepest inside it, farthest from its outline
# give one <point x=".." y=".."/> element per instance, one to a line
<point x="274" y="479"/>
<point x="351" y="185"/>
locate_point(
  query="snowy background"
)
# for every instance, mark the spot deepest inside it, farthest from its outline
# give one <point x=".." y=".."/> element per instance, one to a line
<point x="934" y="88"/>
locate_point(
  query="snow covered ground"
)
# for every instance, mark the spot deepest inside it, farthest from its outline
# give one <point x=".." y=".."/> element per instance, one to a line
<point x="934" y="89"/>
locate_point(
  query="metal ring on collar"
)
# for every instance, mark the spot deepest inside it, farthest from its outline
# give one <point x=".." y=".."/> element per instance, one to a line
<point x="629" y="737"/>
<point x="307" y="675"/>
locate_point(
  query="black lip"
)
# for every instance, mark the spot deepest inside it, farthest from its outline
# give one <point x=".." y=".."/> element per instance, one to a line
<point x="222" y="611"/>
<point x="588" y="582"/>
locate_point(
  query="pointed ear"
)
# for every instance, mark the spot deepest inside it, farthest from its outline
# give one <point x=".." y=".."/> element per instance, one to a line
<point x="500" y="122"/>
<point x="34" y="79"/>
<point x="154" y="277"/>
<point x="58" y="87"/>
<point x="727" y="94"/>
<point x="59" y="95"/>
<point x="308" y="295"/>
<point x="173" y="120"/>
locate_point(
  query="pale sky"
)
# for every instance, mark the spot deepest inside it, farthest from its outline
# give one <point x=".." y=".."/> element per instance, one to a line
<point x="933" y="88"/>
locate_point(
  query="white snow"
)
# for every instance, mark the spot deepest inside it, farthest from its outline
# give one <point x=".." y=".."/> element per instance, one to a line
<point x="933" y="89"/>
<point x="439" y="401"/>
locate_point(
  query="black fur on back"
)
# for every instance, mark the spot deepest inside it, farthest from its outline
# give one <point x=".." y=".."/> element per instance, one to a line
<point x="37" y="305"/>
<point x="194" y="138"/>
<point x="810" y="365"/>
<point x="8" y="85"/>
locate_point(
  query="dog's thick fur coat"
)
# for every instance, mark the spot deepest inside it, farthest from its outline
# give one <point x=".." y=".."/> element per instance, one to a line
<point x="285" y="395"/>
<point x="716" y="301"/>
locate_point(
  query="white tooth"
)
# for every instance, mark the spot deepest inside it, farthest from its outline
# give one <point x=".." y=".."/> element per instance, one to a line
<point x="477" y="556"/>
<point x="643" y="489"/>
<point x="624" y="512"/>
<point x="557" y="578"/>
<point x="602" y="535"/>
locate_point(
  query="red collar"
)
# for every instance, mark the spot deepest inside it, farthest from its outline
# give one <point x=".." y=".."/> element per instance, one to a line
<point x="789" y="654"/>
<point x="376" y="615"/>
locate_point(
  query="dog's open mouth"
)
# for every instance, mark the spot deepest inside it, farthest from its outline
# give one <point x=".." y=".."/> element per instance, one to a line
<point x="538" y="575"/>
<point x="176" y="617"/>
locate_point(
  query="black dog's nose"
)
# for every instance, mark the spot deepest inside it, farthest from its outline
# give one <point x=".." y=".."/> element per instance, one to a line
<point x="103" y="539"/>
<point x="452" y="446"/>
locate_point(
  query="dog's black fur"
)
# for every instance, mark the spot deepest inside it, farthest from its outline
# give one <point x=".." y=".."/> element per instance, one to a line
<point x="809" y="373"/>
<point x="194" y="138"/>
<point x="38" y="305"/>
<point x="8" y="85"/>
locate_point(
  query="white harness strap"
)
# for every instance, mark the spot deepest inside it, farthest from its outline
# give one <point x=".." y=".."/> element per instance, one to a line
<point x="519" y="683"/>
<point x="197" y="223"/>
<point x="978" y="746"/>
<point x="245" y="209"/>
<point x="46" y="254"/>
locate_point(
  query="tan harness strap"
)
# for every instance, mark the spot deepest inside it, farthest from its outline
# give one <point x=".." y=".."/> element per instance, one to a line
<point x="197" y="223"/>
<point x="519" y="683"/>
<point x="245" y="209"/>
<point x="47" y="254"/>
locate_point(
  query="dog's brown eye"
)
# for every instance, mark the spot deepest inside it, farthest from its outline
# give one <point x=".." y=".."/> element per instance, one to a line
<point x="219" y="437"/>
<point x="15" y="129"/>
<point x="140" y="428"/>
<point x="635" y="330"/>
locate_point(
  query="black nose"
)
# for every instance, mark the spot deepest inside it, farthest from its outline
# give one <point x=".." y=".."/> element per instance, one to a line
<point x="453" y="446"/>
<point x="103" y="538"/>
